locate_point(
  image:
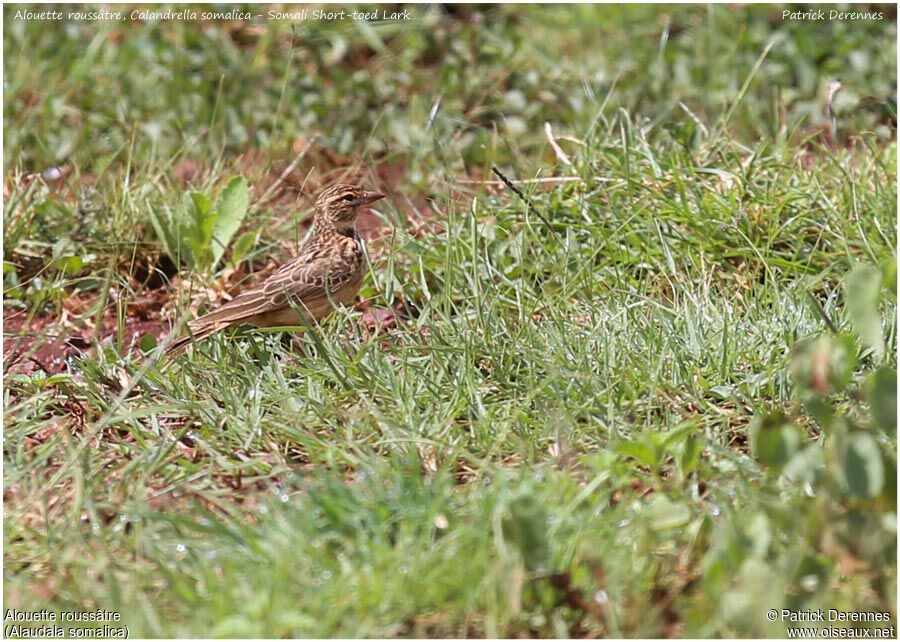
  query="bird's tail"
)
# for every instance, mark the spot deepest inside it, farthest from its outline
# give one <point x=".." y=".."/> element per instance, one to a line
<point x="197" y="332"/>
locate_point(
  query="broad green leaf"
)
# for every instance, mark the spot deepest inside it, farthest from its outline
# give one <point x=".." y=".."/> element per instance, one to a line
<point x="202" y="206"/>
<point x="663" y="513"/>
<point x="235" y="626"/>
<point x="690" y="454"/>
<point x="822" y="409"/>
<point x="525" y="525"/>
<point x="40" y="379"/>
<point x="147" y="342"/>
<point x="812" y="573"/>
<point x="824" y="365"/>
<point x="242" y="246"/>
<point x="204" y="217"/>
<point x="881" y="393"/>
<point x="71" y="264"/>
<point x="676" y="435"/>
<point x="863" y="292"/>
<point x="644" y="452"/>
<point x="807" y="466"/>
<point x="758" y="535"/>
<point x="291" y="621"/>
<point x="230" y="212"/>
<point x="774" y="440"/>
<point x="863" y="465"/>
<point x="889" y="277"/>
<point x="195" y="227"/>
<point x="757" y="586"/>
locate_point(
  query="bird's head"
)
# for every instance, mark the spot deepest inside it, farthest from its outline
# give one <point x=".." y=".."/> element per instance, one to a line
<point x="338" y="206"/>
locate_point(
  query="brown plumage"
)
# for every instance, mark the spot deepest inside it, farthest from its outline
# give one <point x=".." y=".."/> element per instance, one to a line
<point x="326" y="272"/>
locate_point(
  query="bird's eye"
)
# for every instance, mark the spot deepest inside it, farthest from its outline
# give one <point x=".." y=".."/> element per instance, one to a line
<point x="349" y="197"/>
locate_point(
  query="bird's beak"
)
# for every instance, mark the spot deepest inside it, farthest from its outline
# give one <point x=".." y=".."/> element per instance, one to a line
<point x="370" y="197"/>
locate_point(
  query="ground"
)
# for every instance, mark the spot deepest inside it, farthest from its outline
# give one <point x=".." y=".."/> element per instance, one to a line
<point x="651" y="391"/>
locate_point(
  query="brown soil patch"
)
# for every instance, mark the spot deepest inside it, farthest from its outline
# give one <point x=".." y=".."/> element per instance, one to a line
<point x="45" y="343"/>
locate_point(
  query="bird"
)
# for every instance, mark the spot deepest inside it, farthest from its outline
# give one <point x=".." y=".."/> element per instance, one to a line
<point x="327" y="271"/>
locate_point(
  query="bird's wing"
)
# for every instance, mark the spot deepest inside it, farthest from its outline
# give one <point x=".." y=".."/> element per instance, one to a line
<point x="315" y="277"/>
<point x="302" y="280"/>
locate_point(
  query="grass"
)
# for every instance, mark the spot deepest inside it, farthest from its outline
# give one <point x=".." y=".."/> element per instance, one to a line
<point x="565" y="432"/>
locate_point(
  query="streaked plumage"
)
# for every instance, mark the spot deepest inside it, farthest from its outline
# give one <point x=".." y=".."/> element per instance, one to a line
<point x="327" y="271"/>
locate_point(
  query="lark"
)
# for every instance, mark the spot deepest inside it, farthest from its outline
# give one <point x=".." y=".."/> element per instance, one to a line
<point x="327" y="272"/>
